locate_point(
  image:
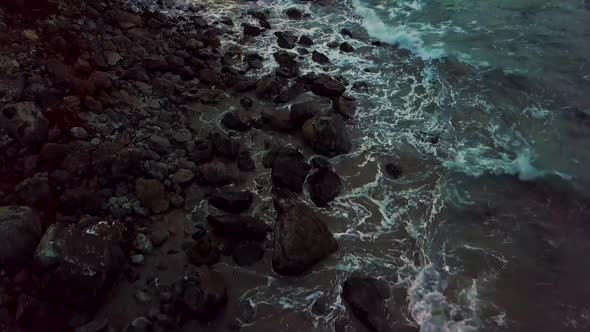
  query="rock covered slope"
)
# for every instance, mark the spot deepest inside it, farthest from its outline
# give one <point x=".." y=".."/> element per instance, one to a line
<point x="115" y="125"/>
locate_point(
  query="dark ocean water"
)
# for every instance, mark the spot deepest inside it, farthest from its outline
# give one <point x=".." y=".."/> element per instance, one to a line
<point x="485" y="105"/>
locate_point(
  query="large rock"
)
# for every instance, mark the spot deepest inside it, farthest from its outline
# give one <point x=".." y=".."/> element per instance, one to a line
<point x="366" y="297"/>
<point x="34" y="190"/>
<point x="286" y="39"/>
<point x="324" y="186"/>
<point x="81" y="261"/>
<point x="346" y="106"/>
<point x="20" y="232"/>
<point x="216" y="173"/>
<point x="301" y="238"/>
<point x="239" y="227"/>
<point x="306" y="110"/>
<point x="201" y="292"/>
<point x="289" y="168"/>
<point x="237" y="120"/>
<point x="327" y="135"/>
<point x="327" y="86"/>
<point x="225" y="146"/>
<point x="152" y="195"/>
<point x="204" y="251"/>
<point x="276" y="119"/>
<point x="24" y="122"/>
<point x="268" y="87"/>
<point x="232" y="201"/>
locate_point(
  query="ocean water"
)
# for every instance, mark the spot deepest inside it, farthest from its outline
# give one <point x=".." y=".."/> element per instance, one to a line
<point x="485" y="105"/>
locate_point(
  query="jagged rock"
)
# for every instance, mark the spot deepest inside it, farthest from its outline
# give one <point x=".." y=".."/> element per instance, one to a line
<point x="245" y="161"/>
<point x="112" y="58"/>
<point x="327" y="86"/>
<point x="239" y="227"/>
<point x="288" y="67"/>
<point x="327" y="135"/>
<point x="286" y="39"/>
<point x="366" y="297"/>
<point x="203" y="252"/>
<point x="232" y="201"/>
<point x="324" y="186"/>
<point x="320" y="58"/>
<point x="216" y="173"/>
<point x="288" y="168"/>
<point x="20" y="232"/>
<point x="248" y="253"/>
<point x="83" y="263"/>
<point x="346" y="106"/>
<point x="393" y="170"/>
<point x="346" y="47"/>
<point x="202" y="151"/>
<point x="254" y="60"/>
<point x="301" y="238"/>
<point x="305" y="41"/>
<point x="202" y="292"/>
<point x="35" y="190"/>
<point x="24" y="122"/>
<point x="152" y="195"/>
<point x="251" y="30"/>
<point x="225" y="145"/>
<point x="237" y="120"/>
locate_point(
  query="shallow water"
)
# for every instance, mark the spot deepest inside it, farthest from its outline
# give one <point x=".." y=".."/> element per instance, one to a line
<point x="485" y="105"/>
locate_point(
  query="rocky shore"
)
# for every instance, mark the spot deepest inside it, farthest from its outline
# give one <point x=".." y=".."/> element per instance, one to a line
<point x="117" y="124"/>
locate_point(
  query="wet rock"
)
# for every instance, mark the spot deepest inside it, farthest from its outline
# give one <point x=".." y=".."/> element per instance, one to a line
<point x="216" y="173"/>
<point x="288" y="67"/>
<point x="346" y="47"/>
<point x="20" y="232"/>
<point x="208" y="76"/>
<point x="305" y="41"/>
<point x="239" y="227"/>
<point x="203" y="252"/>
<point x="35" y="190"/>
<point x="183" y="176"/>
<point x="202" y="150"/>
<point x="237" y="120"/>
<point x="143" y="244"/>
<point x="232" y="201"/>
<point x="254" y="60"/>
<point x="327" y="135"/>
<point x="83" y="263"/>
<point x="248" y="253"/>
<point x="327" y="86"/>
<point x="155" y="63"/>
<point x="366" y="297"/>
<point x="319" y="162"/>
<point x="152" y="195"/>
<point x="324" y="186"/>
<point x="224" y="145"/>
<point x="394" y="170"/>
<point x="320" y="58"/>
<point x="251" y="30"/>
<point x="112" y="58"/>
<point x="294" y="13"/>
<point x="24" y="122"/>
<point x="202" y="292"/>
<point x="159" y="236"/>
<point x="286" y="39"/>
<point x="301" y="112"/>
<point x="79" y="133"/>
<point x="289" y="168"/>
<point x="160" y="144"/>
<point x="268" y="87"/>
<point x="245" y="161"/>
<point x="276" y="120"/>
<point x="346" y="106"/>
<point x="301" y="239"/>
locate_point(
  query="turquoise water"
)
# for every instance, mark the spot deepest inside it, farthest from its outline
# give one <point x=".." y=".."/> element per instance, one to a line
<point x="485" y="104"/>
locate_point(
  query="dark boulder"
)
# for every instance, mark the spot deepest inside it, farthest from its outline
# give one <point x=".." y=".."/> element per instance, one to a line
<point x="277" y="120"/>
<point x="346" y="106"/>
<point x="237" y="120"/>
<point x="245" y="161"/>
<point x="289" y="168"/>
<point x="327" y="86"/>
<point x="305" y="41"/>
<point x="327" y="135"/>
<point x="202" y="150"/>
<point x="224" y="145"/>
<point x="204" y="251"/>
<point x="288" y="67"/>
<point x="319" y="162"/>
<point x="346" y="47"/>
<point x="324" y="186"/>
<point x="208" y="76"/>
<point x="366" y="297"/>
<point x="301" y="239"/>
<point x="251" y="30"/>
<point x="248" y="253"/>
<point x="320" y="58"/>
<point x="20" y="232"/>
<point x="268" y="87"/>
<point x="201" y="292"/>
<point x="294" y="13"/>
<point x="304" y="111"/>
<point x="232" y="201"/>
<point x="394" y="170"/>
<point x="216" y="173"/>
<point x="239" y="227"/>
<point x="286" y="39"/>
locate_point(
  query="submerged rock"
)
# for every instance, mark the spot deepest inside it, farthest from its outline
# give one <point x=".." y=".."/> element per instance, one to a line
<point x="20" y="232"/>
<point x="327" y="135"/>
<point x="239" y="227"/>
<point x="366" y="297"/>
<point x="324" y="186"/>
<point x="232" y="201"/>
<point x="289" y="168"/>
<point x="301" y="238"/>
<point x="394" y="170"/>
